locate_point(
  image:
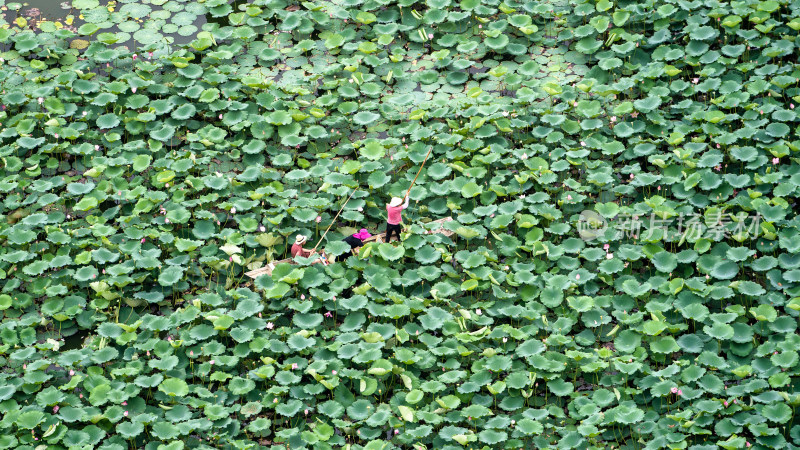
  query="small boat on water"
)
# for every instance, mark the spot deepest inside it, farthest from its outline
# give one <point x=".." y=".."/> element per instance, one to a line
<point x="379" y="238"/>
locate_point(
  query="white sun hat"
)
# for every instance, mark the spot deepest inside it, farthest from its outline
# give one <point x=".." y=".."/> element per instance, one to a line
<point x="396" y="201"/>
<point x="300" y="239"/>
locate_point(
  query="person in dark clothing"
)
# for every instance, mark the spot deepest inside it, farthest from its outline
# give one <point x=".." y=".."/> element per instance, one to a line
<point x="354" y="241"/>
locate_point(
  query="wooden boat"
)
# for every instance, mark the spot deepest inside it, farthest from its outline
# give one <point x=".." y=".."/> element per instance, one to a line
<point x="379" y="238"/>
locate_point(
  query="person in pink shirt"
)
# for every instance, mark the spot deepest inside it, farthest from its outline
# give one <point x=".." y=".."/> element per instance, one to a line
<point x="394" y="216"/>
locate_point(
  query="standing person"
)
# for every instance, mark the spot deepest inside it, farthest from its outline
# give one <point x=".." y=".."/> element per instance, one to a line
<point x="394" y="216"/>
<point x="356" y="240"/>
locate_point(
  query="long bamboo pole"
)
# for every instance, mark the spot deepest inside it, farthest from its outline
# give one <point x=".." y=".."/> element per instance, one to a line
<point x="420" y="170"/>
<point x="334" y="220"/>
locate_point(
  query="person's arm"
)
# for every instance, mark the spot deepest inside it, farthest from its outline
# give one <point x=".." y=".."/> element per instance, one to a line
<point x="405" y="205"/>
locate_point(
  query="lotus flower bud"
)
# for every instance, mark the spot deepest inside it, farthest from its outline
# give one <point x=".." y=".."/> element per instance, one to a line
<point x="133" y="89"/>
<point x="41" y="100"/>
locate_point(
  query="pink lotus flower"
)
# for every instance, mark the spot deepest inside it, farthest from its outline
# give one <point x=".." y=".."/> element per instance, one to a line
<point x="328" y="314"/>
<point x="478" y="311"/>
<point x="725" y="403"/>
<point x="583" y="144"/>
<point x="569" y="196"/>
<point x="747" y="443"/>
<point x="775" y="160"/>
<point x="680" y="392"/>
<point x="396" y="431"/>
<point x="220" y="116"/>
<point x="142" y="240"/>
<point x="133" y="89"/>
<point x="134" y="56"/>
<point x="674" y="390"/>
<point x="609" y="255"/>
<point x="631" y="176"/>
<point x="85" y="113"/>
<point x="71" y="372"/>
<point x="360" y="209"/>
<point x="166" y="220"/>
<point x="294" y="366"/>
<point x="124" y="403"/>
<point x="191" y="352"/>
<point x="270" y="325"/>
<point x="125" y="414"/>
<point x="306" y="412"/>
<point x="149" y="55"/>
<point x="262" y="228"/>
<point x="333" y="372"/>
<point x="430" y="35"/>
<point x="275" y="400"/>
<point x="318" y="219"/>
<point x="302" y="296"/>
<point x="231" y="258"/>
<point x="659" y="188"/>
<point x="96" y="148"/>
<point x="55" y="409"/>
<point x="41" y="100"/>
<point x="695" y="80"/>
<point x="524" y="156"/>
<point x="56" y="135"/>
<point x="574" y="103"/>
<point x="606" y="246"/>
<point x="480" y="26"/>
<point x="233" y="210"/>
<point x="578" y="276"/>
<point x="791" y="105"/>
<point x="613" y="118"/>
<point x="211" y="362"/>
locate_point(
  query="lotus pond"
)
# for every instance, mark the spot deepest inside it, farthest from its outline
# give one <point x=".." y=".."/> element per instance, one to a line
<point x="623" y="269"/>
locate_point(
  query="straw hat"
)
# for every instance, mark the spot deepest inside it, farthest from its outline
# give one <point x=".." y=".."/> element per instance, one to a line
<point x="300" y="239"/>
<point x="396" y="201"/>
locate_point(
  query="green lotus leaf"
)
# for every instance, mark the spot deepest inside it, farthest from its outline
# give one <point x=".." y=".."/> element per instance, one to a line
<point x="107" y="121"/>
